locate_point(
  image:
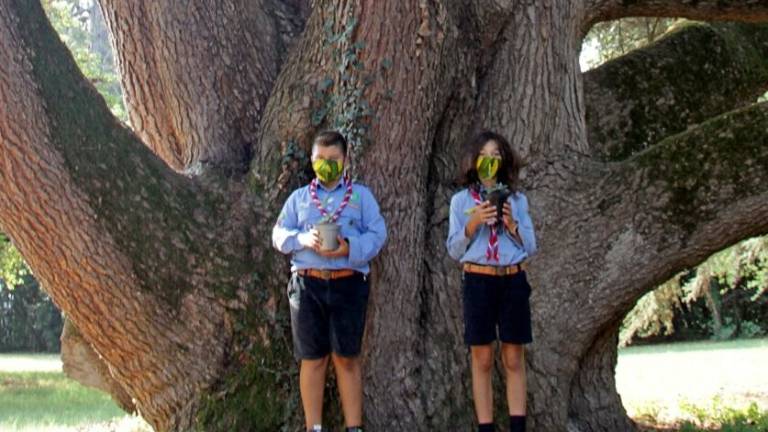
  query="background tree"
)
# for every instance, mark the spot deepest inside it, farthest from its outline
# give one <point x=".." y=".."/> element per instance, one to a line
<point x="156" y="242"/>
<point x="611" y="39"/>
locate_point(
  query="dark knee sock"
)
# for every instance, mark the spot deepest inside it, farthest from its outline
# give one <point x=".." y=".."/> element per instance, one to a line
<point x="486" y="427"/>
<point x="355" y="429"/>
<point x="517" y="423"/>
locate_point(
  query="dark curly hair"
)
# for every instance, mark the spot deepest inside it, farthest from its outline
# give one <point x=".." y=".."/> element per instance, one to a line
<point x="509" y="170"/>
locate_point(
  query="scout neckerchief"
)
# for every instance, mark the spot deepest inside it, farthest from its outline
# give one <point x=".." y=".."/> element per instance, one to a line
<point x="492" y="251"/>
<point x="319" y="204"/>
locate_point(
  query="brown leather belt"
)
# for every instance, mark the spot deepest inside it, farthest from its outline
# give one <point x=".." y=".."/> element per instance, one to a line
<point x="495" y="270"/>
<point x="326" y="274"/>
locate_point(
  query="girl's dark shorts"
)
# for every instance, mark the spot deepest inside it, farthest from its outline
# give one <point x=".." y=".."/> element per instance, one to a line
<point x="496" y="302"/>
<point x="327" y="315"/>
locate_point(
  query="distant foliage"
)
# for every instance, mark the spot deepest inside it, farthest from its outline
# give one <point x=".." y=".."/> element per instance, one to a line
<point x="12" y="265"/>
<point x="81" y="28"/>
<point x="726" y="296"/>
<point x="29" y="321"/>
<point x="616" y="38"/>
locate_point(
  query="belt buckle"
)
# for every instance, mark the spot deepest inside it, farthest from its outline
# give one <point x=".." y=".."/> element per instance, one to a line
<point x="500" y="270"/>
<point x="325" y="274"/>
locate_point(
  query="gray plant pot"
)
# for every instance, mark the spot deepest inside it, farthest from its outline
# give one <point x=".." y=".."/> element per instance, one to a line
<point x="329" y="232"/>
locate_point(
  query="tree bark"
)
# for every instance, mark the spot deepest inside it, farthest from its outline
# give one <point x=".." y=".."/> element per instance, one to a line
<point x="81" y="363"/>
<point x="707" y="10"/>
<point x="638" y="99"/>
<point x="111" y="233"/>
<point x="171" y="279"/>
<point x="196" y="76"/>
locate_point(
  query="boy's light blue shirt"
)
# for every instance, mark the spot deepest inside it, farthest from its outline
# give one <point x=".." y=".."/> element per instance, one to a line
<point x="361" y="223"/>
<point x="473" y="249"/>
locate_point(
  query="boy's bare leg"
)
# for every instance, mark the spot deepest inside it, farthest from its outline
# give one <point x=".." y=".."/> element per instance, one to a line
<point x="349" y="378"/>
<point x="311" y="385"/>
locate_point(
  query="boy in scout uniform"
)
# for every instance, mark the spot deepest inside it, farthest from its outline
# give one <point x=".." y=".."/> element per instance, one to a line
<point x="328" y="291"/>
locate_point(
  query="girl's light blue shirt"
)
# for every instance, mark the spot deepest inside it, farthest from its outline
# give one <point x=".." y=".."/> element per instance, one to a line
<point x="473" y="249"/>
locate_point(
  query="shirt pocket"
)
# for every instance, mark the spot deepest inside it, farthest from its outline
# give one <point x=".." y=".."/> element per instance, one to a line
<point x="304" y="216"/>
<point x="351" y="217"/>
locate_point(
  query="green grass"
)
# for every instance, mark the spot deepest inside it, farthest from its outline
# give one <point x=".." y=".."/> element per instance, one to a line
<point x="36" y="396"/>
<point x="697" y="386"/>
<point x="686" y="387"/>
<point x="50" y="398"/>
<point x="724" y="418"/>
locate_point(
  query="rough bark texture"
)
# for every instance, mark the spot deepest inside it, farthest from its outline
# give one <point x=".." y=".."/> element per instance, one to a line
<point x="706" y="10"/>
<point x="171" y="278"/>
<point x="653" y="92"/>
<point x="113" y="235"/>
<point x="197" y="75"/>
<point x="81" y="363"/>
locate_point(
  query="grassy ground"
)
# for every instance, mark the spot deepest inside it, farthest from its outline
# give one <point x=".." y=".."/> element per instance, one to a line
<point x="36" y="396"/>
<point x="707" y="384"/>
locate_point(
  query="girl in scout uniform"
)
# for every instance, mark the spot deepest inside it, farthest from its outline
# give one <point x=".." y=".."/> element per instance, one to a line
<point x="495" y="289"/>
<point x="328" y="290"/>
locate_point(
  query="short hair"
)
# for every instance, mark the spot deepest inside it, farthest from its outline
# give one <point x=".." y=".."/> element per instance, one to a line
<point x="331" y="138"/>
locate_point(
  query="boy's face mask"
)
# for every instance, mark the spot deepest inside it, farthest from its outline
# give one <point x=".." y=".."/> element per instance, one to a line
<point x="328" y="171"/>
<point x="487" y="167"/>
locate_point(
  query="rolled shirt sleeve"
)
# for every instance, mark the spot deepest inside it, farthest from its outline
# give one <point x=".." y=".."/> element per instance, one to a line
<point x="458" y="241"/>
<point x="286" y="231"/>
<point x="524" y="223"/>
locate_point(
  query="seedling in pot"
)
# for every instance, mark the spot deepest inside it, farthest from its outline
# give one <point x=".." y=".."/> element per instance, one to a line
<point x="329" y="232"/>
<point x="497" y="195"/>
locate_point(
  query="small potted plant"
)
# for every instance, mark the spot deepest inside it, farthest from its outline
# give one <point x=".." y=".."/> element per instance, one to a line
<point x="497" y="195"/>
<point x="329" y="232"/>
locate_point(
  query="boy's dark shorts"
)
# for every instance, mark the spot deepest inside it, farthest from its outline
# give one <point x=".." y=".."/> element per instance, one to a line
<point x="327" y="315"/>
<point x="496" y="301"/>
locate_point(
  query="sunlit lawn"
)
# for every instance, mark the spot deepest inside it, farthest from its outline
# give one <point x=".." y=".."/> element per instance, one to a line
<point x="36" y="396"/>
<point x="674" y="382"/>
<point x="664" y="384"/>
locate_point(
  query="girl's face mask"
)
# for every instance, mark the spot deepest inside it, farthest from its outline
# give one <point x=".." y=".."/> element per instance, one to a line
<point x="487" y="166"/>
<point x="328" y="171"/>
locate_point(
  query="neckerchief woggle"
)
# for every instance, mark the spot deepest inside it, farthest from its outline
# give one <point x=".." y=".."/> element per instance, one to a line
<point x="492" y="251"/>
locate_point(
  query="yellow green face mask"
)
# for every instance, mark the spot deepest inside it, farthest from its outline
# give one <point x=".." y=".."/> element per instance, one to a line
<point x="328" y="170"/>
<point x="487" y="167"/>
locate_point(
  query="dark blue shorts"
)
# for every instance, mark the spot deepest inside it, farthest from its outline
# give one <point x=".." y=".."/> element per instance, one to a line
<point x="327" y="315"/>
<point x="496" y="302"/>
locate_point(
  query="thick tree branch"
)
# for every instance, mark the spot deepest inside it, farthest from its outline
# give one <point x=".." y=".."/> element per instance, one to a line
<point x="81" y="363"/>
<point x="706" y="10"/>
<point x="696" y="72"/>
<point x="197" y="78"/>
<point x="114" y="236"/>
<point x="672" y="206"/>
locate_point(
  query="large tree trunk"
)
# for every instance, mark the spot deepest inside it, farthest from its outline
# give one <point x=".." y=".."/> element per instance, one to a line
<point x="171" y="279"/>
